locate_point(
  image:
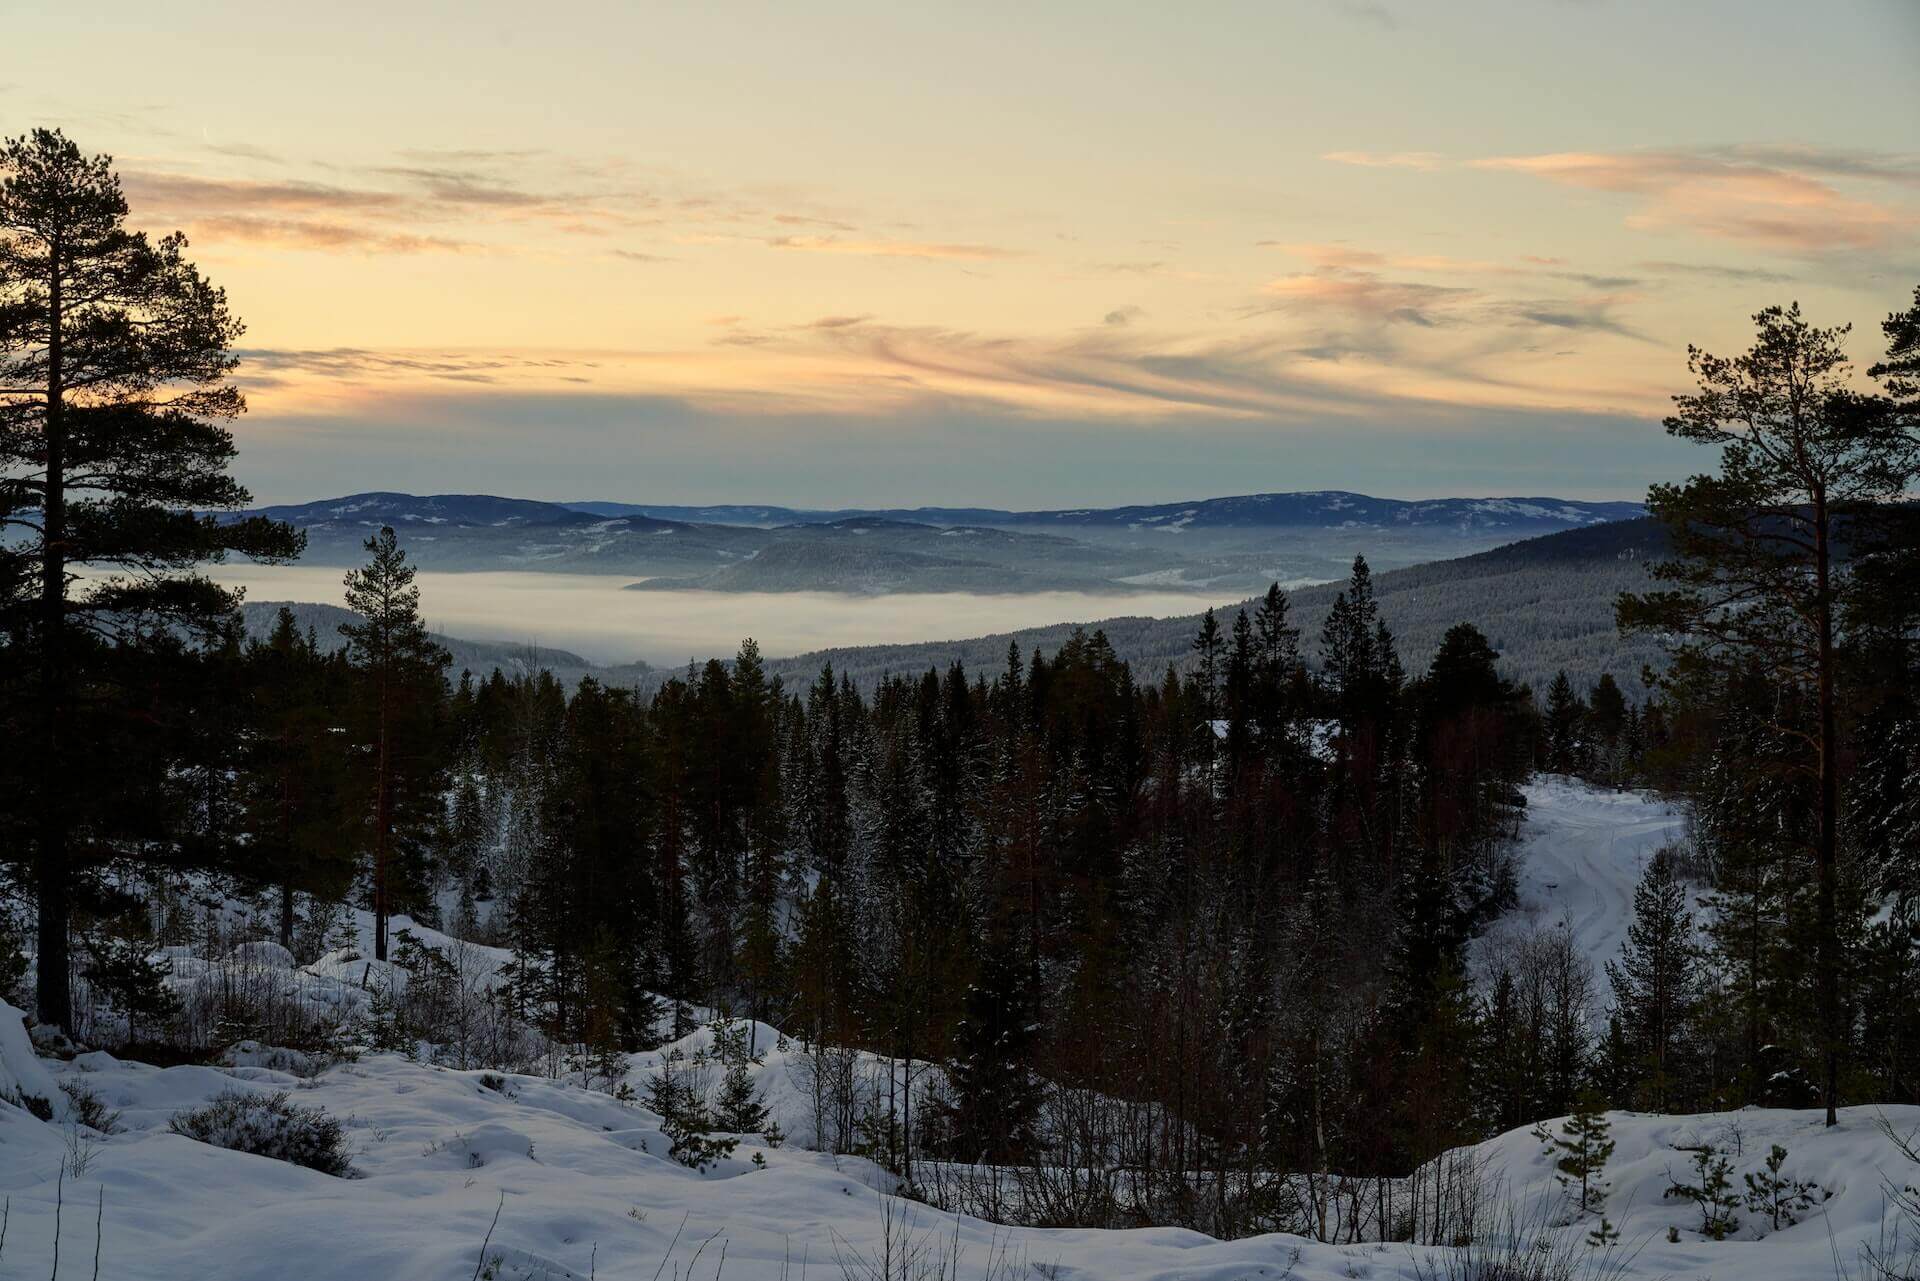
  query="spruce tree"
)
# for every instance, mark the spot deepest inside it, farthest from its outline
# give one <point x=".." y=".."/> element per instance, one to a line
<point x="1209" y="650"/>
<point x="1564" y="715"/>
<point x="114" y="361"/>
<point x="292" y="771"/>
<point x="1276" y="663"/>
<point x="1351" y="661"/>
<point x="995" y="1096"/>
<point x="399" y="666"/>
<point x="1654" y="984"/>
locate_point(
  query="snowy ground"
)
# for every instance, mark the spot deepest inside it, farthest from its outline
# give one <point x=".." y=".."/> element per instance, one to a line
<point x="1582" y="850"/>
<point x="582" y="1188"/>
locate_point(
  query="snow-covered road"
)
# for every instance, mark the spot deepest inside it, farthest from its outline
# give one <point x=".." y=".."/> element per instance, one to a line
<point x="1581" y="854"/>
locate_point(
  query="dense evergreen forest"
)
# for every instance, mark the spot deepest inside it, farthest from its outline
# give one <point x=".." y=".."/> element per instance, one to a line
<point x="1153" y="936"/>
<point x="1545" y="603"/>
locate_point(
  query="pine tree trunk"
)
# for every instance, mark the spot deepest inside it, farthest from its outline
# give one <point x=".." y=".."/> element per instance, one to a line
<point x="286" y="846"/>
<point x="52" y="988"/>
<point x="382" y="830"/>
<point x="1827" y="960"/>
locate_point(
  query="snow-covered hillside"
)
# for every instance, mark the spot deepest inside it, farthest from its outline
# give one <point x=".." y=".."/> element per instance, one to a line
<point x="582" y="1188"/>
<point x="1582" y="850"/>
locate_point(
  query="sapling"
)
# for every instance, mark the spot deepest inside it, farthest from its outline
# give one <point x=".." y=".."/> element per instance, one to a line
<point x="1772" y="1193"/>
<point x="1712" y="1190"/>
<point x="1581" y="1150"/>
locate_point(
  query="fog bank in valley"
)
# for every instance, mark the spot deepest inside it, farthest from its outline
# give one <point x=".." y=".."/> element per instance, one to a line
<point x="591" y="614"/>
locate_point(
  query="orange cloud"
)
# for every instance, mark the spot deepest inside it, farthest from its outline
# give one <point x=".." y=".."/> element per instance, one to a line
<point x="318" y="236"/>
<point x="1778" y="203"/>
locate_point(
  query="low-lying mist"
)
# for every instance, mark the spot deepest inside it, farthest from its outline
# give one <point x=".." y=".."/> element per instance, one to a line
<point x="591" y="614"/>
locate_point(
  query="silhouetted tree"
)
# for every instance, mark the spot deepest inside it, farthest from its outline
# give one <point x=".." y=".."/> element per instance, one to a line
<point x="1806" y="462"/>
<point x="399" y="668"/>
<point x="114" y="357"/>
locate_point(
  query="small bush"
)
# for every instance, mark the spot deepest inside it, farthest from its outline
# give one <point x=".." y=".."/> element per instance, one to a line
<point x="89" y="1109"/>
<point x="268" y="1125"/>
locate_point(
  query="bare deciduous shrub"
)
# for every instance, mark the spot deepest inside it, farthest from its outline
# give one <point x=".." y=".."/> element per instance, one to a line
<point x="269" y="1125"/>
<point x="1523" y="1243"/>
<point x="88" y="1108"/>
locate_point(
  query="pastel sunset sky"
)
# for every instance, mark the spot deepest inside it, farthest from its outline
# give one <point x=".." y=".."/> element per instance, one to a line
<point x="1019" y="254"/>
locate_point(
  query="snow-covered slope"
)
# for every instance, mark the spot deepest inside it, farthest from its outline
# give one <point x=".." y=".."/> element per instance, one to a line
<point x="582" y="1187"/>
<point x="1581" y="854"/>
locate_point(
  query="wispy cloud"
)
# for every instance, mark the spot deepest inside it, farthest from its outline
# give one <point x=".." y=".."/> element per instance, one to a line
<point x="320" y="236"/>
<point x="1423" y="160"/>
<point x="177" y="194"/>
<point x="1367" y="294"/>
<point x="271" y="367"/>
<point x="1774" y="197"/>
<point x="1369" y="13"/>
<point x="1758" y="275"/>
<point x="889" y="248"/>
<point x="465" y="187"/>
<point x="382" y="207"/>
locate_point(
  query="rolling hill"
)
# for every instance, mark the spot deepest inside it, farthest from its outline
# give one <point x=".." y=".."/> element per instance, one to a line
<point x="1546" y="604"/>
<point x="1221" y="545"/>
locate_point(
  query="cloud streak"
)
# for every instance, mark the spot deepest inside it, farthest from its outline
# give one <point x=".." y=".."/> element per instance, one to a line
<point x="1777" y="198"/>
<point x="1421" y="160"/>
<point x="890" y="248"/>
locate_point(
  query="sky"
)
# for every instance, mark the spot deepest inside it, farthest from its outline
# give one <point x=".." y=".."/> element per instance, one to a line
<point x="1009" y="254"/>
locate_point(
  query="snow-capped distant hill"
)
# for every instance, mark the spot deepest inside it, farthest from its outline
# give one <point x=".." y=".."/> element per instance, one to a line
<point x="1321" y="509"/>
<point x="1335" y="509"/>
<point x="372" y="510"/>
<point x="1217" y="545"/>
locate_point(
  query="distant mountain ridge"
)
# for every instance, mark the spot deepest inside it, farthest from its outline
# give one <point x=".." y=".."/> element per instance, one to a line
<point x="1219" y="545"/>
<point x="1317" y="509"/>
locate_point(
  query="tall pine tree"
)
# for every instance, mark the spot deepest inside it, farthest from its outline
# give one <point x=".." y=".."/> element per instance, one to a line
<point x="114" y="359"/>
<point x="1807" y="466"/>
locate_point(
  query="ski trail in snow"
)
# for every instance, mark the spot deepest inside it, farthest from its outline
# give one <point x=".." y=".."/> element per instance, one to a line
<point x="1582" y="850"/>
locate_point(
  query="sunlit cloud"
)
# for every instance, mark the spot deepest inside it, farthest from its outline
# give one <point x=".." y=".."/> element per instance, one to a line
<point x="176" y="193"/>
<point x="1776" y="198"/>
<point x="318" y="236"/>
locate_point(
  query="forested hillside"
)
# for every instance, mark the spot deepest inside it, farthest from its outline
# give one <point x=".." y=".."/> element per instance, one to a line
<point x="323" y="622"/>
<point x="1546" y="604"/>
